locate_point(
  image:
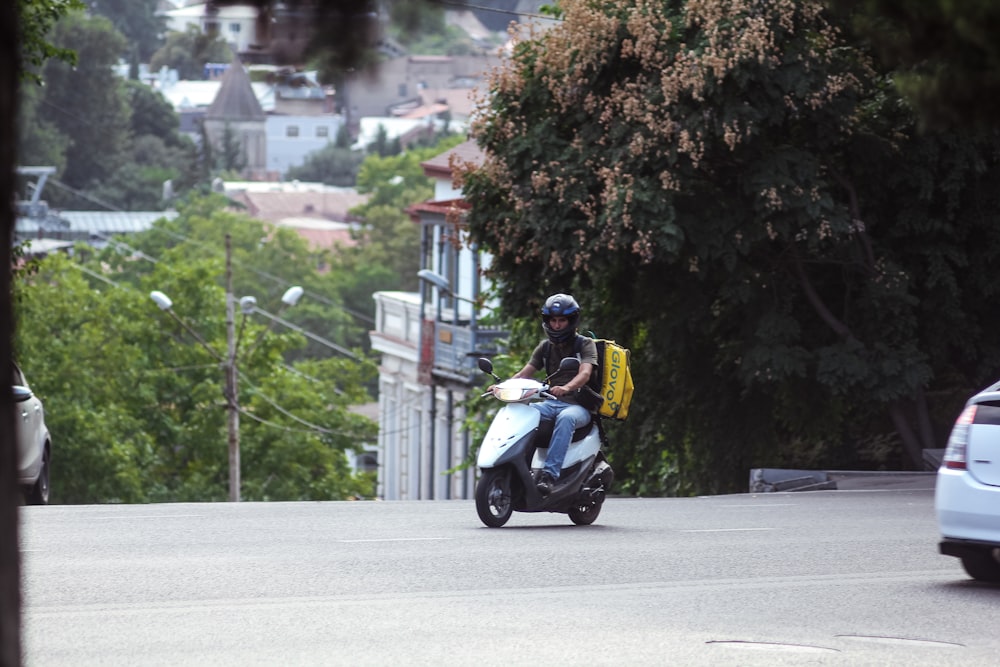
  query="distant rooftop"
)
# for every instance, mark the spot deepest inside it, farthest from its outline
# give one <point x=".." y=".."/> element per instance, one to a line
<point x="236" y="99"/>
<point x="93" y="227"/>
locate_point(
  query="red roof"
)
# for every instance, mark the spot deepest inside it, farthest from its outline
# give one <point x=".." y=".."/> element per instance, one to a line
<point x="442" y="207"/>
<point x="439" y="166"/>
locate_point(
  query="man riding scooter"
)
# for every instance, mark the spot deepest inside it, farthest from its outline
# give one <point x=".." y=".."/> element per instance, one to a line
<point x="560" y="318"/>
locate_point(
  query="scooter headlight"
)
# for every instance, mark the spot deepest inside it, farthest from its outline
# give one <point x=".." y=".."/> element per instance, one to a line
<point x="511" y="394"/>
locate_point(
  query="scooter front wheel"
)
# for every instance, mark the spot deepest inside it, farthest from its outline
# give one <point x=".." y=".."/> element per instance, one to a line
<point x="493" y="501"/>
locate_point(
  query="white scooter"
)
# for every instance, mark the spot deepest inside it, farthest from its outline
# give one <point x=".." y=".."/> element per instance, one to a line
<point x="512" y="455"/>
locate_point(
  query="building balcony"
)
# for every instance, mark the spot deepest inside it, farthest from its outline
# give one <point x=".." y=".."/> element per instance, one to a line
<point x="457" y="347"/>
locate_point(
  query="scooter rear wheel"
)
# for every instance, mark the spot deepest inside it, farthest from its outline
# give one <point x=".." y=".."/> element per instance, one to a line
<point x="584" y="515"/>
<point x="493" y="501"/>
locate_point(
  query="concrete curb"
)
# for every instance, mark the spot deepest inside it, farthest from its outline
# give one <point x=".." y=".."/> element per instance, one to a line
<point x="772" y="480"/>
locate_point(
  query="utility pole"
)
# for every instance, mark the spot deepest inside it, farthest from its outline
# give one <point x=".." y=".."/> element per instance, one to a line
<point x="232" y="397"/>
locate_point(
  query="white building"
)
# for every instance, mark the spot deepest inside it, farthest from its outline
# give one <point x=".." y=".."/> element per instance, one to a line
<point x="429" y="341"/>
<point x="236" y="24"/>
<point x="290" y="139"/>
<point x="297" y="120"/>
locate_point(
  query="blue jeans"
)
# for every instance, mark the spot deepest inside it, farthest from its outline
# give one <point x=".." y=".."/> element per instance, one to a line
<point x="568" y="417"/>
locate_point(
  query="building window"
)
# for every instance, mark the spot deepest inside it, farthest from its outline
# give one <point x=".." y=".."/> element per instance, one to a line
<point x="292" y="131"/>
<point x="322" y="131"/>
<point x="234" y="28"/>
<point x="402" y="90"/>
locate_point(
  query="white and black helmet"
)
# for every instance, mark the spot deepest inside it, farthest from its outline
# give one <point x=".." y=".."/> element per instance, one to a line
<point x="561" y="305"/>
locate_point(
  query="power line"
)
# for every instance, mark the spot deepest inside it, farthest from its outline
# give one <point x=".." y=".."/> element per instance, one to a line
<point x="263" y="274"/>
<point x="467" y="5"/>
<point x="312" y="427"/>
<point x="277" y="279"/>
<point x="83" y="195"/>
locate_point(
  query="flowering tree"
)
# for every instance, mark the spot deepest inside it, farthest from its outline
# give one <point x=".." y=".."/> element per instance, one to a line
<point x="737" y="191"/>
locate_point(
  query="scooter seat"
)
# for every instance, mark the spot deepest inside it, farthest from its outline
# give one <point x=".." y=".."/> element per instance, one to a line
<point x="545" y="427"/>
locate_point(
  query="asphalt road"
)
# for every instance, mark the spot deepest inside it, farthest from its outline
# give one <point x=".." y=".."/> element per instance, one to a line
<point x="847" y="577"/>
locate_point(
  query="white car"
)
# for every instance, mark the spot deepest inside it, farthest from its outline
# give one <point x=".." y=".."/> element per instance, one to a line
<point x="967" y="493"/>
<point x="34" y="446"/>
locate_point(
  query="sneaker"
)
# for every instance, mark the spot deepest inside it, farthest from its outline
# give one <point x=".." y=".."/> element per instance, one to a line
<point x="545" y="484"/>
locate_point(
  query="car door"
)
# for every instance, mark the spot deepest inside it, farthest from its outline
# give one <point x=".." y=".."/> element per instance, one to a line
<point x="29" y="420"/>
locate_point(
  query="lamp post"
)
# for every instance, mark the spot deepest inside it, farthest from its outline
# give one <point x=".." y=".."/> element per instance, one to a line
<point x="442" y="284"/>
<point x="232" y="395"/>
<point x="248" y="305"/>
<point x="228" y="362"/>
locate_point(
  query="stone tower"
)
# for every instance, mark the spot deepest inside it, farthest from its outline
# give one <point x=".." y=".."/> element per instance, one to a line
<point x="235" y="111"/>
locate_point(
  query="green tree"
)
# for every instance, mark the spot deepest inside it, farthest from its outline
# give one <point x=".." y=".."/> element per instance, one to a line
<point x="742" y="197"/>
<point x="136" y="19"/>
<point x="94" y="401"/>
<point x="40" y="140"/>
<point x="335" y="164"/>
<point x="945" y="55"/>
<point x="36" y="18"/>
<point x="157" y="153"/>
<point x="421" y="28"/>
<point x="138" y="184"/>
<point x="137" y="401"/>
<point x="115" y="141"/>
<point x="188" y="51"/>
<point x="230" y="156"/>
<point x="86" y="103"/>
<point x="388" y="252"/>
<point x="152" y="114"/>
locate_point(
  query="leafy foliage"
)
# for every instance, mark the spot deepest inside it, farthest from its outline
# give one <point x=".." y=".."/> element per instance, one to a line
<point x="336" y="164"/>
<point x="188" y="51"/>
<point x="388" y="255"/>
<point x="114" y="142"/>
<point x="96" y="121"/>
<point x="741" y="196"/>
<point x="136" y="19"/>
<point x="36" y="19"/>
<point x="134" y="401"/>
<point x="945" y="55"/>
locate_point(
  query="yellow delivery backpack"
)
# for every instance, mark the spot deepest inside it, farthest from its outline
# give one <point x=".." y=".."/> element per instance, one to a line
<point x="612" y="379"/>
<point x="609" y="391"/>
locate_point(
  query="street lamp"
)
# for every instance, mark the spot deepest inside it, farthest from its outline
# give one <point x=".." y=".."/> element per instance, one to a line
<point x="442" y="284"/>
<point x="228" y="362"/>
<point x="248" y="306"/>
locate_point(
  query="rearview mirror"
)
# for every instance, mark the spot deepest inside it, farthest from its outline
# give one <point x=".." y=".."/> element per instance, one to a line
<point x="569" y="364"/>
<point x="21" y="393"/>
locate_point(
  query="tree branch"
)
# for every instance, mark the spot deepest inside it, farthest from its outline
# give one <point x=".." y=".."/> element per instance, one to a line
<point x="816" y="301"/>
<point x="855" y="210"/>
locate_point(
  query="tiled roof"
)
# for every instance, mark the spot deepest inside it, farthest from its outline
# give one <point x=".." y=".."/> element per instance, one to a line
<point x="320" y="234"/>
<point x="278" y="201"/>
<point x="438" y="166"/>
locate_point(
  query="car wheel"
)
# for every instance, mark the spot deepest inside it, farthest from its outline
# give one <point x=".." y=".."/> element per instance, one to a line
<point x="982" y="566"/>
<point x="38" y="494"/>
